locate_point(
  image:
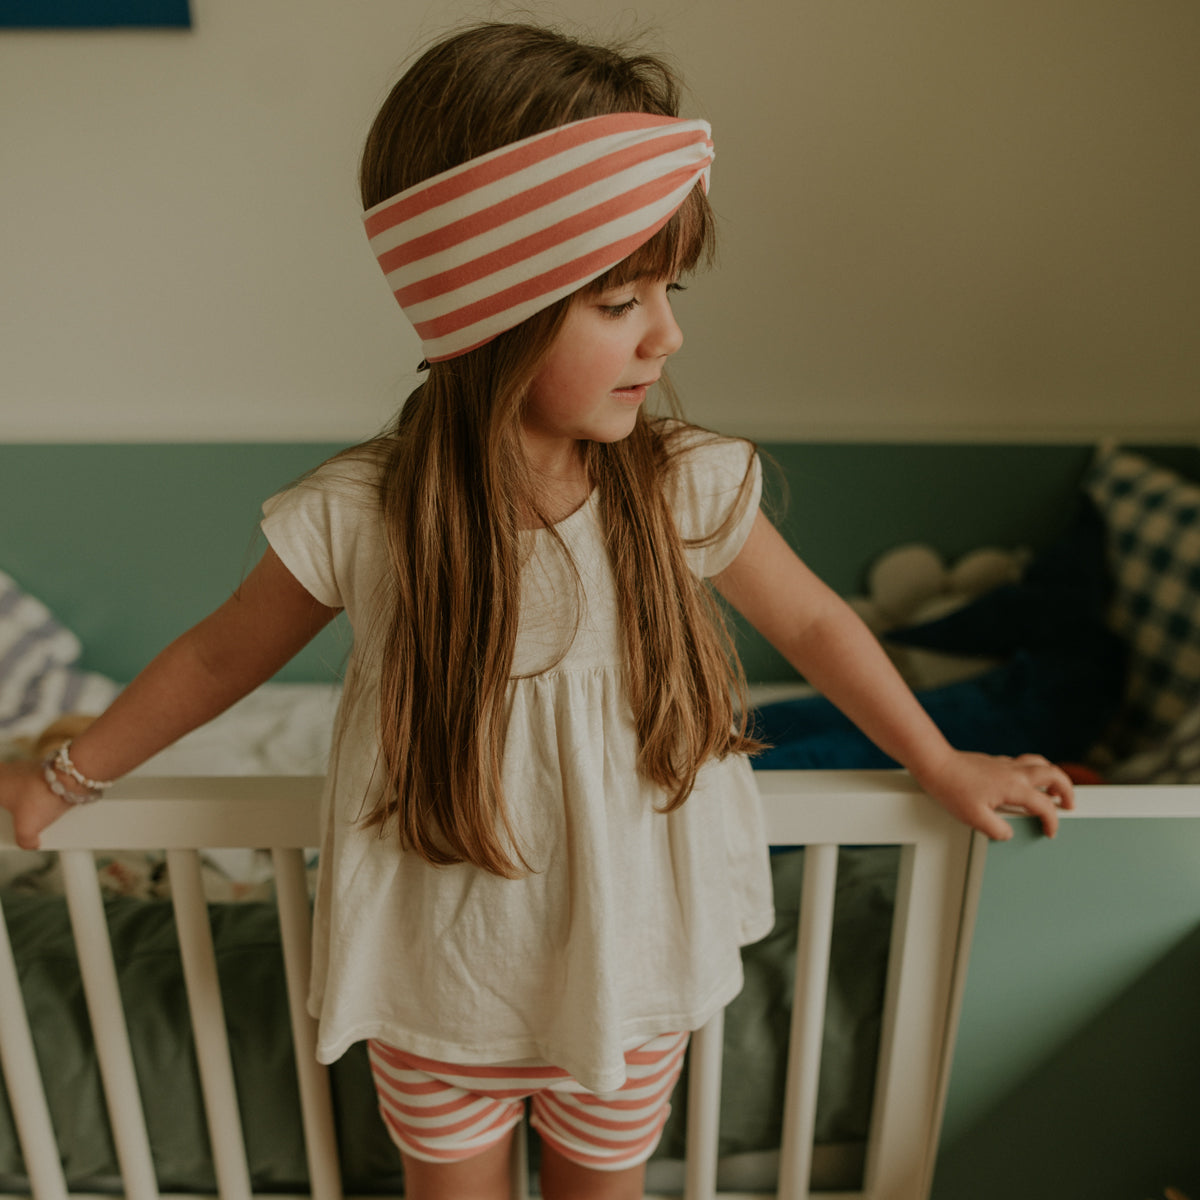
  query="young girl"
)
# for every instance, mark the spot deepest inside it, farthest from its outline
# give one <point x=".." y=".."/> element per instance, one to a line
<point x="542" y="845"/>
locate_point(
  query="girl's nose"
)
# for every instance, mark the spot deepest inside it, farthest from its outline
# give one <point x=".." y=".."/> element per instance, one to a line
<point x="664" y="336"/>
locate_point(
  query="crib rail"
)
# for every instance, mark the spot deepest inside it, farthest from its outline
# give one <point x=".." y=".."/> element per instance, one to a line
<point x="940" y="868"/>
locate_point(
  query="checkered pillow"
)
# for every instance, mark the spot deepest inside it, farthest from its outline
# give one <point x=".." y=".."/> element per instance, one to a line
<point x="1153" y="523"/>
<point x="1175" y="759"/>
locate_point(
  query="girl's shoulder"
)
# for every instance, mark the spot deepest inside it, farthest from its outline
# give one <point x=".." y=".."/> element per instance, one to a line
<point x="350" y="478"/>
<point x="713" y="484"/>
<point x="699" y="459"/>
<point x="325" y="527"/>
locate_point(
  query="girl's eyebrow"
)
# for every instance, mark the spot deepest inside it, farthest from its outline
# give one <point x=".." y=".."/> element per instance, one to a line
<point x="616" y="284"/>
<point x="641" y="277"/>
<point x="600" y="287"/>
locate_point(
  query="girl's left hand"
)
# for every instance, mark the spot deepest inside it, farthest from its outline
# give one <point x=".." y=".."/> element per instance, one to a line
<point x="976" y="787"/>
<point x="33" y="806"/>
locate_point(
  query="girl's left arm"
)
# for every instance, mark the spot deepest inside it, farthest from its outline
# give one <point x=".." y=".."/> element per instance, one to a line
<point x="823" y="638"/>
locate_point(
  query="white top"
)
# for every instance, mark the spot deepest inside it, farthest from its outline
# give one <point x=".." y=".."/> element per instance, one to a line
<point x="630" y="924"/>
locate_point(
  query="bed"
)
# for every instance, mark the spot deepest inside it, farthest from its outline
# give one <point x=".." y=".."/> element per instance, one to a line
<point x="157" y="943"/>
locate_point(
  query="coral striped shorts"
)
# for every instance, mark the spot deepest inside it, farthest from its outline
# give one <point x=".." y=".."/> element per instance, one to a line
<point x="443" y="1112"/>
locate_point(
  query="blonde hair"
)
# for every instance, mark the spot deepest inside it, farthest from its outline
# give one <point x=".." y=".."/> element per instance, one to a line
<point x="454" y="486"/>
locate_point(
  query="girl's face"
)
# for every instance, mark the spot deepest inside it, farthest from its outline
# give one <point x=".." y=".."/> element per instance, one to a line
<point x="611" y="347"/>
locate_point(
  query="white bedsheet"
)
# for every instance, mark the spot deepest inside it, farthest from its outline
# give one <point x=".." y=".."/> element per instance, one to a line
<point x="279" y="729"/>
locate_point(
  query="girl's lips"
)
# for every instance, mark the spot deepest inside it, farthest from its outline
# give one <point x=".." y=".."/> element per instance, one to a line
<point x="635" y="391"/>
<point x="634" y="395"/>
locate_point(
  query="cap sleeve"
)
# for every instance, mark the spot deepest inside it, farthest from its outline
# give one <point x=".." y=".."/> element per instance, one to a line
<point x="717" y="489"/>
<point x="314" y="525"/>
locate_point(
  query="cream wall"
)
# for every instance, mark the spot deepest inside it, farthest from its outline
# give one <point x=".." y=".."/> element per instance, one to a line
<point x="972" y="219"/>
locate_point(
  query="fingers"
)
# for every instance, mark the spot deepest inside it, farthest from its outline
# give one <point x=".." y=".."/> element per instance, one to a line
<point x="1040" y="805"/>
<point x="1051" y="790"/>
<point x="978" y="788"/>
<point x="24" y="838"/>
<point x="1056" y="782"/>
<point x="992" y="786"/>
<point x="27" y="841"/>
<point x="994" y="826"/>
<point x="30" y="804"/>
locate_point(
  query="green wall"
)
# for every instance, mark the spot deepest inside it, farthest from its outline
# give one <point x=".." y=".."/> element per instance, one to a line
<point x="130" y="544"/>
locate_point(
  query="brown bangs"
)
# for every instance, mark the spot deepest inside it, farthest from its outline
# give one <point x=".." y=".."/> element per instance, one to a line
<point x="686" y="243"/>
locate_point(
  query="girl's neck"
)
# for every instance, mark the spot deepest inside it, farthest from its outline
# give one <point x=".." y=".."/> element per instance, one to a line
<point x="559" y="481"/>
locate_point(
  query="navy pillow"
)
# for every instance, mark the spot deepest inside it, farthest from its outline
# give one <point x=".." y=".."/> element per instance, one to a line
<point x="1060" y="686"/>
<point x="1061" y="600"/>
<point x="1050" y="703"/>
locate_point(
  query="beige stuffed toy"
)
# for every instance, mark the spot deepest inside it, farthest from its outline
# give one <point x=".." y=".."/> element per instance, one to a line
<point x="912" y="584"/>
<point x="60" y="730"/>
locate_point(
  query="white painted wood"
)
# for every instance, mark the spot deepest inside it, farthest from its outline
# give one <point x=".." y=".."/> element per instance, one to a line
<point x="972" y="890"/>
<point x="316" y="1106"/>
<point x="846" y="807"/>
<point x="107" y="1016"/>
<point x="23" y="1080"/>
<point x="808" y="1020"/>
<point x="915" y="1020"/>
<point x="520" y="1163"/>
<point x="1144" y="800"/>
<point x="195" y="812"/>
<point x="208" y="1025"/>
<point x="704" y="1108"/>
<point x="888" y="808"/>
<point x="820" y="809"/>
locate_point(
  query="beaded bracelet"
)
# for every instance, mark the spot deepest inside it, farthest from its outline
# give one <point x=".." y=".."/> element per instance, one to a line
<point x="59" y="763"/>
<point x="62" y="762"/>
<point x="60" y="790"/>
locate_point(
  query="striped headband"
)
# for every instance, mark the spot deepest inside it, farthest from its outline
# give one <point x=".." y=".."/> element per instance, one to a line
<point x="477" y="249"/>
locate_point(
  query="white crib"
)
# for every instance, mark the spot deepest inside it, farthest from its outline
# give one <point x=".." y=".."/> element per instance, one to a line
<point x="940" y="874"/>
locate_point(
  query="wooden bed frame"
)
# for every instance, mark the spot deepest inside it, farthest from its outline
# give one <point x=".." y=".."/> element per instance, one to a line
<point x="941" y="871"/>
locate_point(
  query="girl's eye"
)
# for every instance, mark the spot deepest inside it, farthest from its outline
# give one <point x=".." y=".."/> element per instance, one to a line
<point x="613" y="311"/>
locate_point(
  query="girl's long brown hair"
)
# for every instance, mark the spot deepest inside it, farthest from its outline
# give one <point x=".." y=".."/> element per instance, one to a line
<point x="454" y="486"/>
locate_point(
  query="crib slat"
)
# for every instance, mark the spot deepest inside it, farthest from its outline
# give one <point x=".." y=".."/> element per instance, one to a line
<point x="208" y="1025"/>
<point x="291" y="890"/>
<point x="972" y="893"/>
<point x="27" y="1096"/>
<point x="916" y="1017"/>
<point x="704" y="1109"/>
<point x="808" y="1020"/>
<point x="108" y="1024"/>
<point x="519" y="1164"/>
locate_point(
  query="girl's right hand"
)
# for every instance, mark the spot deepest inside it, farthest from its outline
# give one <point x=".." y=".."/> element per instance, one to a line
<point x="976" y="788"/>
<point x="33" y="806"/>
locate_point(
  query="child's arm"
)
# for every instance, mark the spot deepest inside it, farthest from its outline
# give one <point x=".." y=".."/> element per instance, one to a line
<point x="217" y="662"/>
<point x="822" y="637"/>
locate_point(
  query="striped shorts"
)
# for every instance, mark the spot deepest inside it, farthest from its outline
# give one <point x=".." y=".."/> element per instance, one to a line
<point x="444" y="1112"/>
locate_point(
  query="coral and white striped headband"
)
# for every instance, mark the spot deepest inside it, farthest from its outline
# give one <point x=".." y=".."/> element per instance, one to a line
<point x="477" y="249"/>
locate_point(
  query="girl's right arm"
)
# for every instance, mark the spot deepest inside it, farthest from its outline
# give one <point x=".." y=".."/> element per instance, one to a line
<point x="820" y="635"/>
<point x="217" y="662"/>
